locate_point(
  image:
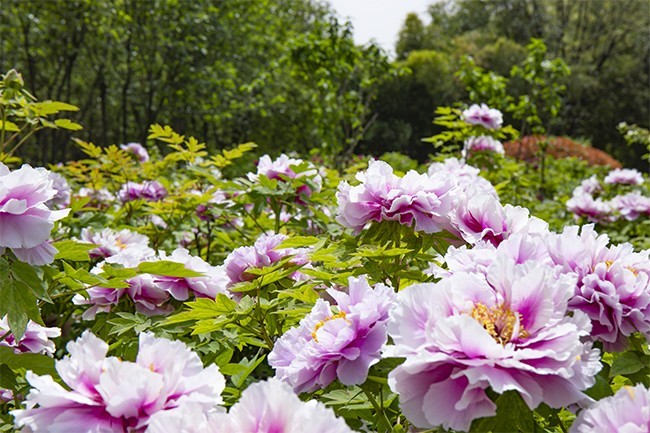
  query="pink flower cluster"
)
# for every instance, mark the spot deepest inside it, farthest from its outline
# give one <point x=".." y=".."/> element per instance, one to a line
<point x="151" y="294"/>
<point x="627" y="411"/>
<point x="450" y="197"/>
<point x="588" y="200"/>
<point x="421" y="199"/>
<point x="506" y="329"/>
<point x="106" y="394"/>
<point x="483" y="115"/>
<point x="263" y="253"/>
<point x="150" y="190"/>
<point x="328" y="345"/>
<point x="36" y="338"/>
<point x="613" y="286"/>
<point x="612" y="283"/>
<point x="25" y="219"/>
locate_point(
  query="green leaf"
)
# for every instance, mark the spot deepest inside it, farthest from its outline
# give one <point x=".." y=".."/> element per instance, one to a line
<point x="73" y="250"/>
<point x="167" y="269"/>
<point x="204" y="308"/>
<point x="32" y="277"/>
<point x="68" y="124"/>
<point x="52" y="107"/>
<point x="9" y="126"/>
<point x="244" y="369"/>
<point x="626" y="363"/>
<point x="298" y="241"/>
<point x="20" y="304"/>
<point x="7" y="377"/>
<point x="512" y="415"/>
<point x="39" y="364"/>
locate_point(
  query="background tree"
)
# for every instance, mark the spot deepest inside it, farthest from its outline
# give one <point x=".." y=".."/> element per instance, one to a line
<point x="606" y="44"/>
<point x="229" y="72"/>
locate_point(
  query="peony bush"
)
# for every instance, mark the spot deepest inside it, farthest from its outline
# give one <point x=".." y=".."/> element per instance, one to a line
<point x="157" y="287"/>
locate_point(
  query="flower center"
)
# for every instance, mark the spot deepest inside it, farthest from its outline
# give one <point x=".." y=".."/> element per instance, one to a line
<point x="121" y="245"/>
<point x="340" y="315"/>
<point x="500" y="322"/>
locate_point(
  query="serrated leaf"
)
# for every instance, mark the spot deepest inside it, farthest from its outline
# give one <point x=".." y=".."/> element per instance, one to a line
<point x="52" y="107"/>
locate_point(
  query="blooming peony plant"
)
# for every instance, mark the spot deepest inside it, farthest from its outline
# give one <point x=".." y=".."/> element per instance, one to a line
<point x="483" y="115"/>
<point x="507" y="330"/>
<point x="329" y="345"/>
<point x="110" y="395"/>
<point x="25" y="219"/>
<point x="416" y="199"/>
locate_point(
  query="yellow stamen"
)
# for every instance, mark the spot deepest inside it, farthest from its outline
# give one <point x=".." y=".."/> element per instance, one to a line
<point x="499" y="322"/>
<point x="121" y="245"/>
<point x="340" y="315"/>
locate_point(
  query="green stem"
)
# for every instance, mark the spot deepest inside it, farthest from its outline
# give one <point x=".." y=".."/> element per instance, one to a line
<point x="4" y="126"/>
<point x="383" y="419"/>
<point x="22" y="140"/>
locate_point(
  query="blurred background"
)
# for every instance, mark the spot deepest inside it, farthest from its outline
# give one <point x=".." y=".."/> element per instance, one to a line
<point x="297" y="75"/>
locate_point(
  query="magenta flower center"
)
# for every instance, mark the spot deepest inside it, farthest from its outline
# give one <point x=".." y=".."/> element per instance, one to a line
<point x="500" y="322"/>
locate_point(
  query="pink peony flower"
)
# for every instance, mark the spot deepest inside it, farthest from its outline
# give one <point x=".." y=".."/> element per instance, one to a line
<point x="149" y="298"/>
<point x="330" y="345"/>
<point x="416" y="199"/>
<point x="263" y="253"/>
<point x="463" y="175"/>
<point x="110" y="242"/>
<point x="212" y="283"/>
<point x="271" y="406"/>
<point x="625" y="176"/>
<point x="595" y="210"/>
<point x="588" y="186"/>
<point x="627" y="411"/>
<point x="613" y="286"/>
<point x="482" y="143"/>
<point x="507" y="330"/>
<point x="150" y="190"/>
<point x="25" y="219"/>
<point x="109" y="395"/>
<point x="137" y="150"/>
<point x="36" y="338"/>
<point x="483" y="115"/>
<point x="265" y="407"/>
<point x="281" y="169"/>
<point x="482" y="217"/>
<point x="62" y="197"/>
<point x="631" y="205"/>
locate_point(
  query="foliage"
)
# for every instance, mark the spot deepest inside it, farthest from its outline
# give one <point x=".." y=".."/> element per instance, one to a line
<point x="274" y="72"/>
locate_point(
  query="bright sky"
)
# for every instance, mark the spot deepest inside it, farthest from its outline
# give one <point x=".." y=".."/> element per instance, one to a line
<point x="380" y="20"/>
